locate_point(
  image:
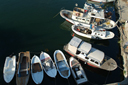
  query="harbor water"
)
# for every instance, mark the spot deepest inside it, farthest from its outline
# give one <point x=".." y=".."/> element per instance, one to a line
<point x="35" y="26"/>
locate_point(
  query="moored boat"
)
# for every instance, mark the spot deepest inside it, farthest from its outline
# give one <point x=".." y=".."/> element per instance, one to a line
<point x="92" y="56"/>
<point x="102" y="1"/>
<point x="93" y="33"/>
<point x="48" y="65"/>
<point x="9" y="68"/>
<point x="36" y="70"/>
<point x="77" y="71"/>
<point x="23" y="68"/>
<point x="78" y="16"/>
<point x="61" y="64"/>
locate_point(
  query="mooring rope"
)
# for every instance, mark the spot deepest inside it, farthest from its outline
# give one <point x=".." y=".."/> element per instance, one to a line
<point x="107" y="76"/>
<point x="68" y="82"/>
<point x="55" y="80"/>
<point x="58" y="12"/>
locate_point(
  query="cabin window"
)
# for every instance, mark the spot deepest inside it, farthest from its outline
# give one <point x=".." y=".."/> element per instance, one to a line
<point x="95" y="33"/>
<point x="86" y="58"/>
<point x="92" y="60"/>
<point x="78" y="52"/>
<point x="101" y="35"/>
<point x="83" y="53"/>
<point x="96" y="62"/>
<point x="83" y="19"/>
<point x="76" y="17"/>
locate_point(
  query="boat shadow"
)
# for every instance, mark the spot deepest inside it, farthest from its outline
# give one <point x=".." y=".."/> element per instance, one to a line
<point x="93" y="41"/>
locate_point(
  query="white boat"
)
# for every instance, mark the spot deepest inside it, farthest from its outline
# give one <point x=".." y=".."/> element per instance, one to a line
<point x="103" y="1"/>
<point x="36" y="70"/>
<point x="77" y="71"/>
<point x="92" y="56"/>
<point x="61" y="64"/>
<point x="78" y="16"/>
<point x="93" y="33"/>
<point x="9" y="68"/>
<point x="48" y="65"/>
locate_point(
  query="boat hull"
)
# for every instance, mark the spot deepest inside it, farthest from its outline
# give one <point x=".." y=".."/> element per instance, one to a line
<point x="36" y="76"/>
<point x="108" y="35"/>
<point x="23" y="78"/>
<point x="67" y="15"/>
<point x="77" y="73"/>
<point x="52" y="72"/>
<point x="9" y="68"/>
<point x="61" y="64"/>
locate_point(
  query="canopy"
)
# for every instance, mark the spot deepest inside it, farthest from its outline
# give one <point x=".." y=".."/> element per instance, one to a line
<point x="84" y="47"/>
<point x="75" y="41"/>
<point x="96" y="54"/>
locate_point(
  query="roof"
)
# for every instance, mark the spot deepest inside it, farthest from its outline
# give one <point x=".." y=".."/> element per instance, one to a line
<point x="96" y="54"/>
<point x="75" y="41"/>
<point x="84" y="47"/>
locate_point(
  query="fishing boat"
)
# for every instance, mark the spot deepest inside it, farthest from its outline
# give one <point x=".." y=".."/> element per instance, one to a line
<point x="92" y="56"/>
<point x="77" y="71"/>
<point x="9" y="68"/>
<point x="102" y="1"/>
<point x="61" y="64"/>
<point x="93" y="33"/>
<point x="36" y="70"/>
<point x="48" y="65"/>
<point x="23" y="68"/>
<point x="78" y="16"/>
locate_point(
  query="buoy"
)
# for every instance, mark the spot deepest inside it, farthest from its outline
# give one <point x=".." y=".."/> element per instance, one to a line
<point x="73" y="35"/>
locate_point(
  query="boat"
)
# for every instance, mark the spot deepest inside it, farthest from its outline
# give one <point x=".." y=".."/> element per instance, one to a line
<point x="92" y="56"/>
<point x="103" y="1"/>
<point x="61" y="64"/>
<point x="9" y="68"/>
<point x="23" y="68"/>
<point x="36" y="70"/>
<point x="77" y="71"/>
<point x="93" y="33"/>
<point x="48" y="65"/>
<point x="78" y="16"/>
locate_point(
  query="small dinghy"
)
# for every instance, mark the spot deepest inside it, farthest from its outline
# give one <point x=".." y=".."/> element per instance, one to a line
<point x="94" y="33"/>
<point x="61" y="64"/>
<point x="77" y="71"/>
<point x="9" y="68"/>
<point x="23" y="68"/>
<point x="36" y="70"/>
<point x="48" y="65"/>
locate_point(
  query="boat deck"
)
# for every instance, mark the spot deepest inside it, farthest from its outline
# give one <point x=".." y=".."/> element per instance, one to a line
<point x="109" y="65"/>
<point x="59" y="57"/>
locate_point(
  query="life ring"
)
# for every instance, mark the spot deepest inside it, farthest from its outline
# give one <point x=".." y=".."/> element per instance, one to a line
<point x="77" y="14"/>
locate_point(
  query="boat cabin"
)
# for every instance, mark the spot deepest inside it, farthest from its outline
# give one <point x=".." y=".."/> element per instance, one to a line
<point x="85" y="52"/>
<point x="79" y="14"/>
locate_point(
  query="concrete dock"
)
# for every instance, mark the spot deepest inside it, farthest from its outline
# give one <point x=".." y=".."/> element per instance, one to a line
<point x="122" y="8"/>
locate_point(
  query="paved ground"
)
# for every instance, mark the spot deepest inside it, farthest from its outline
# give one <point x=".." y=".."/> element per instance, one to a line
<point x="122" y="6"/>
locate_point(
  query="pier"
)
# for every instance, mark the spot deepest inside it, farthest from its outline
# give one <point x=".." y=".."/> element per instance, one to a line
<point x="122" y="9"/>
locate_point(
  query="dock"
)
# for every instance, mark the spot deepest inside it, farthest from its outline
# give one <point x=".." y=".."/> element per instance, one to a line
<point x="122" y="8"/>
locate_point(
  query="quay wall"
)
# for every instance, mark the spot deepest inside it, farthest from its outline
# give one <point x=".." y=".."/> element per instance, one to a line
<point x="122" y="9"/>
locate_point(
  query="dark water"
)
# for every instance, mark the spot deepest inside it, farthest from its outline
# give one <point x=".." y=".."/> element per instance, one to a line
<point x="35" y="26"/>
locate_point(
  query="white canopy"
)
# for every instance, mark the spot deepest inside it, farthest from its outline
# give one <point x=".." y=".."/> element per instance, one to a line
<point x="75" y="41"/>
<point x="96" y="54"/>
<point x="84" y="47"/>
